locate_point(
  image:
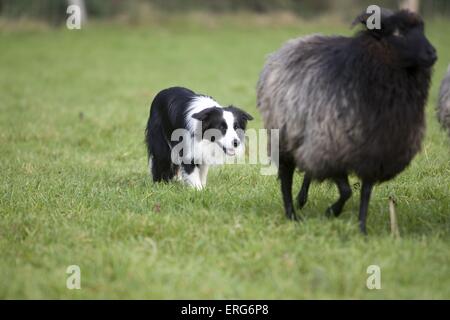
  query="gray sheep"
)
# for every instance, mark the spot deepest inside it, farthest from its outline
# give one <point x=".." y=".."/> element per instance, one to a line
<point x="444" y="103"/>
<point x="348" y="105"/>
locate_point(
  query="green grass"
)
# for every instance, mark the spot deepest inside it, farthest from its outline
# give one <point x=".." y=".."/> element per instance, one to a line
<point x="74" y="187"/>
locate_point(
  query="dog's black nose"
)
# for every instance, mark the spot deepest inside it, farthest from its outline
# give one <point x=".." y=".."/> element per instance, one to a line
<point x="236" y="143"/>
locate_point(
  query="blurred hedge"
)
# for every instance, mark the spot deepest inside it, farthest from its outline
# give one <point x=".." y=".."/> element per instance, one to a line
<point x="54" y="10"/>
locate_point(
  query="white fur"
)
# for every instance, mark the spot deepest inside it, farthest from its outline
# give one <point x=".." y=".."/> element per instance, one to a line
<point x="205" y="152"/>
<point x="193" y="179"/>
<point x="204" y="174"/>
<point x="230" y="135"/>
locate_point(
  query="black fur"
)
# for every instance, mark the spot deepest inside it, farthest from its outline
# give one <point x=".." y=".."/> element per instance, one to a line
<point x="167" y="113"/>
<point x="376" y="84"/>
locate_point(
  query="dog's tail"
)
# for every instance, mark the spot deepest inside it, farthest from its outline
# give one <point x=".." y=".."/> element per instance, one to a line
<point x="156" y="142"/>
<point x="150" y="131"/>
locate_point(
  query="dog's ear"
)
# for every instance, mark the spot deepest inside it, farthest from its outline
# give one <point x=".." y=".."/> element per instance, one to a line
<point x="204" y="114"/>
<point x="246" y="116"/>
<point x="242" y="114"/>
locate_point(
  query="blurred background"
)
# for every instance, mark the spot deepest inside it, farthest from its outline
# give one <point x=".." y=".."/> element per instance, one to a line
<point x="54" y="11"/>
<point x="74" y="183"/>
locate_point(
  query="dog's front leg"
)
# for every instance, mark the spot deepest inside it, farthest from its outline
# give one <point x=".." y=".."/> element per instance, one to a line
<point x="204" y="174"/>
<point x="191" y="176"/>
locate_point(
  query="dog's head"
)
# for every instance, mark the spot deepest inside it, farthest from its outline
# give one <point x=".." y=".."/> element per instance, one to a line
<point x="225" y="127"/>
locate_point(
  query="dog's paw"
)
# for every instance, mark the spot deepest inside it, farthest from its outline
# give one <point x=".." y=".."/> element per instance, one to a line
<point x="198" y="187"/>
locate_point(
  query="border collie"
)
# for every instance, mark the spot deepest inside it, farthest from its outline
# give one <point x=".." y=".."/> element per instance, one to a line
<point x="187" y="132"/>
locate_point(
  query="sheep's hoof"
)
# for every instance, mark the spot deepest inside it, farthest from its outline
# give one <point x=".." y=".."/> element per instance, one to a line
<point x="334" y="211"/>
<point x="301" y="202"/>
<point x="363" y="231"/>
<point x="294" y="217"/>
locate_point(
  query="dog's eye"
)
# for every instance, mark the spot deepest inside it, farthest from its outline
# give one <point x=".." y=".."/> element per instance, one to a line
<point x="235" y="126"/>
<point x="213" y="139"/>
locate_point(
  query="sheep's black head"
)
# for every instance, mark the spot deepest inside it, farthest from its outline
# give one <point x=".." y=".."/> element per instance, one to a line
<point x="404" y="33"/>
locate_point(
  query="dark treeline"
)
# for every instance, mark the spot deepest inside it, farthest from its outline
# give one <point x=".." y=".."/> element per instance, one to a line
<point x="54" y="10"/>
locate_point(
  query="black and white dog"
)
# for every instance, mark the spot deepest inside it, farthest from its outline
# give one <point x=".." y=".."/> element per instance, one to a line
<point x="187" y="132"/>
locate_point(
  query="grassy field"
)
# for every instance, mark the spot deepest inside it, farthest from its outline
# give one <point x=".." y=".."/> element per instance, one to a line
<point x="74" y="187"/>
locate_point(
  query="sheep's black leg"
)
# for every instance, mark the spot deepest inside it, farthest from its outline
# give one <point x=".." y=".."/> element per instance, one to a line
<point x="285" y="173"/>
<point x="345" y="192"/>
<point x="366" y="191"/>
<point x="303" y="194"/>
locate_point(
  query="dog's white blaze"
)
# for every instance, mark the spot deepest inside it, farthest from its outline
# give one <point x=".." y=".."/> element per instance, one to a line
<point x="198" y="105"/>
<point x="228" y="139"/>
